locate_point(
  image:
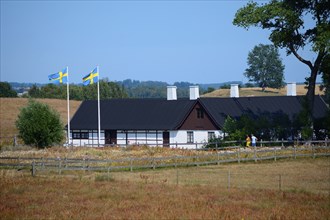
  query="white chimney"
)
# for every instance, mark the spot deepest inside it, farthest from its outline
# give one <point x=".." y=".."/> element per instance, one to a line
<point x="171" y="93"/>
<point x="291" y="89"/>
<point x="234" y="91"/>
<point x="193" y="92"/>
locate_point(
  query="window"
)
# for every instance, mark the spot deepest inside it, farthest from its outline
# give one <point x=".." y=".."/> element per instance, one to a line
<point x="190" y="137"/>
<point x="200" y="113"/>
<point x="80" y="135"/>
<point x="211" y="135"/>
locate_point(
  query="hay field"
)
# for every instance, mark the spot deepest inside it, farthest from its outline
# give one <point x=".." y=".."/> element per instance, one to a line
<point x="10" y="107"/>
<point x="244" y="92"/>
<point x="130" y="196"/>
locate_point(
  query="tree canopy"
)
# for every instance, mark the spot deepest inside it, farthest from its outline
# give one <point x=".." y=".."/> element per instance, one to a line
<point x="287" y="21"/>
<point x="39" y="125"/>
<point x="265" y="67"/>
<point x="6" y="90"/>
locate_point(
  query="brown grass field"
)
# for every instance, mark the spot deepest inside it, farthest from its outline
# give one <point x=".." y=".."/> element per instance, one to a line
<point x="155" y="194"/>
<point x="244" y="92"/>
<point x="10" y="107"/>
<point x="183" y="193"/>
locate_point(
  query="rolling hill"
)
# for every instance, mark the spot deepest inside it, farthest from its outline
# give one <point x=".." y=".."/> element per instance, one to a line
<point x="10" y="108"/>
<point x="244" y="92"/>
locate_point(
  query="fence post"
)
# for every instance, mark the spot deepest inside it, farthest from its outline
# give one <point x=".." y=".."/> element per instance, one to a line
<point x="19" y="161"/>
<point x="261" y="143"/>
<point x="108" y="173"/>
<point x="238" y="154"/>
<point x="153" y="164"/>
<point x="131" y="164"/>
<point x="274" y="153"/>
<point x="59" y="166"/>
<point x="33" y="170"/>
<point x="326" y="141"/>
<point x="255" y="154"/>
<point x="294" y="152"/>
<point x="218" y="155"/>
<point x="313" y="151"/>
<point x="282" y="143"/>
<point x="228" y="179"/>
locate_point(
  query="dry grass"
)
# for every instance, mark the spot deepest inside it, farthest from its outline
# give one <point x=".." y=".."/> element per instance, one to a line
<point x="244" y="92"/>
<point x="10" y="107"/>
<point x="64" y="197"/>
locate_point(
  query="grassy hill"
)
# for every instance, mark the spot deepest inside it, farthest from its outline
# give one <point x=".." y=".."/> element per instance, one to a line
<point x="10" y="108"/>
<point x="244" y="92"/>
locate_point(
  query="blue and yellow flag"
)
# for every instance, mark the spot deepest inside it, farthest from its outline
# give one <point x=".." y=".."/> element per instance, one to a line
<point x="91" y="78"/>
<point x="59" y="77"/>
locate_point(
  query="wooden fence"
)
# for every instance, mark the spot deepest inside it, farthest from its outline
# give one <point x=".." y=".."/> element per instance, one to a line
<point x="226" y="155"/>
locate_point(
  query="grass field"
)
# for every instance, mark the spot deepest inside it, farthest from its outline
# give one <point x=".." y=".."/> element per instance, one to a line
<point x="243" y="92"/>
<point x="155" y="194"/>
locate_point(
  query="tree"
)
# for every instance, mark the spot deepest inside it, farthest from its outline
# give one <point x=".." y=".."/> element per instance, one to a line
<point x="6" y="90"/>
<point x="39" y="125"/>
<point x="289" y="30"/>
<point x="265" y="67"/>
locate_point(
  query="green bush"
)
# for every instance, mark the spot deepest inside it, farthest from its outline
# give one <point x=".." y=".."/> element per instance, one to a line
<point x="39" y="125"/>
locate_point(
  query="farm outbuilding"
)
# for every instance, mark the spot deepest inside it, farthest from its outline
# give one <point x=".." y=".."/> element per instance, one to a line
<point x="172" y="121"/>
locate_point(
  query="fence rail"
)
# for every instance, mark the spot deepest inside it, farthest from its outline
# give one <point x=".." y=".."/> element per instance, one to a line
<point x="227" y="155"/>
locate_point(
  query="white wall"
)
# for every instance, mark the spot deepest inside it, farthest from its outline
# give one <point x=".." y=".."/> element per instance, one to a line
<point x="91" y="141"/>
<point x="140" y="137"/>
<point x="178" y="138"/>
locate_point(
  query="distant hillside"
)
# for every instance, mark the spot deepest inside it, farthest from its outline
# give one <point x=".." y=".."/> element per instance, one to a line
<point x="245" y="92"/>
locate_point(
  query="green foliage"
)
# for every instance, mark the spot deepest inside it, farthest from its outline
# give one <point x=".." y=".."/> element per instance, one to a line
<point x="39" y="125"/>
<point x="6" y="90"/>
<point x="225" y="86"/>
<point x="285" y="20"/>
<point x="325" y="69"/>
<point x="291" y="28"/>
<point x="107" y="90"/>
<point x="209" y="90"/>
<point x="265" y="67"/>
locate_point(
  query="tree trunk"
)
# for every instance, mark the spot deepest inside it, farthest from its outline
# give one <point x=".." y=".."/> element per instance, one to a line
<point x="310" y="96"/>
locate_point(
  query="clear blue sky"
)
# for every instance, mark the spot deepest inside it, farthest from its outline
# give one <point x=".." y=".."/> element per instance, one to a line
<point x="168" y="41"/>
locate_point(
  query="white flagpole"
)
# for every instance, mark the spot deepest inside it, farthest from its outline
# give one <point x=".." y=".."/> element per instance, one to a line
<point x="68" y="104"/>
<point x="98" y="107"/>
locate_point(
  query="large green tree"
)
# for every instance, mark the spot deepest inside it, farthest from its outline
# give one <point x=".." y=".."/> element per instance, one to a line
<point x="6" y="90"/>
<point x="265" y="67"/>
<point x="287" y="21"/>
<point x="39" y="125"/>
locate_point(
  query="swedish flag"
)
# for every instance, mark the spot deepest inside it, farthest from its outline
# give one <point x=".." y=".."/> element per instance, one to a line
<point x="91" y="78"/>
<point x="59" y="77"/>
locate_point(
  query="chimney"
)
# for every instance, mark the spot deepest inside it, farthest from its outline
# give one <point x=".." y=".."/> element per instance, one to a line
<point x="171" y="93"/>
<point x="291" y="89"/>
<point x="234" y="91"/>
<point x="193" y="92"/>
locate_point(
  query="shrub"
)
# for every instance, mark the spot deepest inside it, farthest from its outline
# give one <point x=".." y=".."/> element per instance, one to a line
<point x="39" y="125"/>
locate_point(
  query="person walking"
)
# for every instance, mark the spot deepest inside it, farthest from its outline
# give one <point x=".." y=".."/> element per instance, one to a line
<point x="254" y="140"/>
<point x="248" y="141"/>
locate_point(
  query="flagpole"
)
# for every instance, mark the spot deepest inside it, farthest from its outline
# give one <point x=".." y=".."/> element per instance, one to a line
<point x="98" y="107"/>
<point x="68" y="104"/>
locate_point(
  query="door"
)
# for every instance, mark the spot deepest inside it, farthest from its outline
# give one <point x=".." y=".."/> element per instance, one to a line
<point x="166" y="139"/>
<point x="110" y="136"/>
